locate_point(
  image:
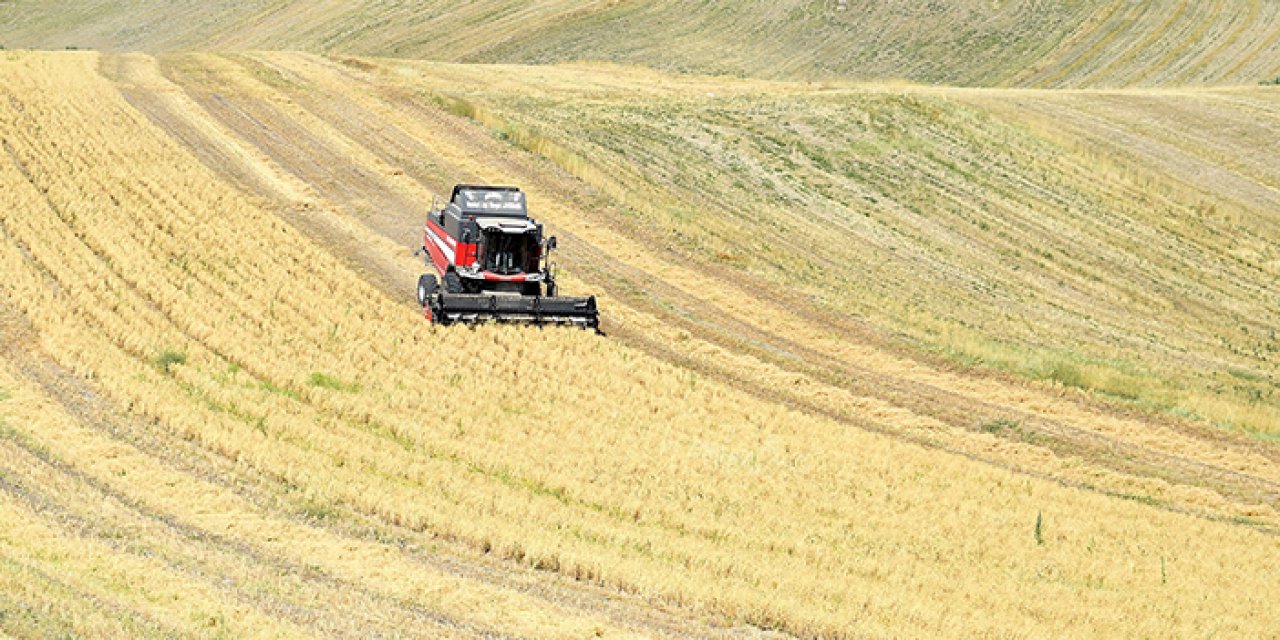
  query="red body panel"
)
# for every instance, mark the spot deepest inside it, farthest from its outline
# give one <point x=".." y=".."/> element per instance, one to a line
<point x="439" y="231"/>
<point x="438" y="258"/>
<point x="466" y="255"/>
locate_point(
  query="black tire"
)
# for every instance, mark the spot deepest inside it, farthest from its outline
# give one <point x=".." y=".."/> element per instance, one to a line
<point x="427" y="286"/>
<point x="452" y="282"/>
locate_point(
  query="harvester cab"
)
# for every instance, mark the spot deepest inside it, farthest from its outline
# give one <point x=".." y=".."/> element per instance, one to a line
<point x="493" y="263"/>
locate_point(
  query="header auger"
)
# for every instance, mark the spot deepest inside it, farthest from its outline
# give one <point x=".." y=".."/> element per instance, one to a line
<point x="494" y="264"/>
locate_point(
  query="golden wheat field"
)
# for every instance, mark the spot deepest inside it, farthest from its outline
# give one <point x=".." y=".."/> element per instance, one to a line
<point x="222" y="414"/>
<point x="921" y="319"/>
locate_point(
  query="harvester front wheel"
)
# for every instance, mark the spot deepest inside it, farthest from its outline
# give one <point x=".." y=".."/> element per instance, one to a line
<point x="427" y="287"/>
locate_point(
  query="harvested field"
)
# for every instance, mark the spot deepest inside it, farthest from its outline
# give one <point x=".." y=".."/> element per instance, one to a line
<point x="222" y="413"/>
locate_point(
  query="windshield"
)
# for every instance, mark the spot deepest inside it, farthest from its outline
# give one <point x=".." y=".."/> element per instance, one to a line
<point x="508" y="253"/>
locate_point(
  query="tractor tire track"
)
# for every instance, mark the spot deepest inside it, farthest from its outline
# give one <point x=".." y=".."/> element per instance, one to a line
<point x="138" y="624"/>
<point x="90" y="407"/>
<point x="641" y="292"/>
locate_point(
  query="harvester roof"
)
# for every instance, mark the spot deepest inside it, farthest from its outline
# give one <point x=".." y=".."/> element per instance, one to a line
<point x="506" y="202"/>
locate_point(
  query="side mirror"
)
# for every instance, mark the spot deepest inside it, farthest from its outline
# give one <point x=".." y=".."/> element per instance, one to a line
<point x="551" y="243"/>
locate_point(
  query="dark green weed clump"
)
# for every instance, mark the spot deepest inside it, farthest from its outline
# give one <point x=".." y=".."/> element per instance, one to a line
<point x="168" y="359"/>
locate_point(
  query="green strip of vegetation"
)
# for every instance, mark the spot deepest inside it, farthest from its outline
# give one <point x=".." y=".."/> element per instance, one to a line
<point x="326" y="381"/>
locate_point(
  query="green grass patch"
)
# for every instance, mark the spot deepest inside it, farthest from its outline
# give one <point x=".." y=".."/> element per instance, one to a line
<point x="1000" y="425"/>
<point x="326" y="381"/>
<point x="271" y="387"/>
<point x="1247" y="375"/>
<point x="454" y="105"/>
<point x="317" y="511"/>
<point x="1012" y="429"/>
<point x="1265" y="436"/>
<point x="1247" y="521"/>
<point x="167" y="359"/>
<point x="1065" y="373"/>
<point x="1150" y="501"/>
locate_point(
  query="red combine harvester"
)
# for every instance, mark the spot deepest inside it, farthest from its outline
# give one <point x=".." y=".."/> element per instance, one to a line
<point x="494" y="264"/>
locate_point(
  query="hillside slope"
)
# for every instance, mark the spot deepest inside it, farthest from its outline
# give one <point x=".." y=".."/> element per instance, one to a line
<point x="222" y="413"/>
<point x="1118" y="242"/>
<point x="1094" y="43"/>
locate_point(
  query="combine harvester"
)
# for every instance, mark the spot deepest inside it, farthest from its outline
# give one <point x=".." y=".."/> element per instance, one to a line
<point x="494" y="264"/>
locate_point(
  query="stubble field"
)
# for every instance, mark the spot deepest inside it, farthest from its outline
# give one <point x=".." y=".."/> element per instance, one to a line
<point x="223" y="415"/>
